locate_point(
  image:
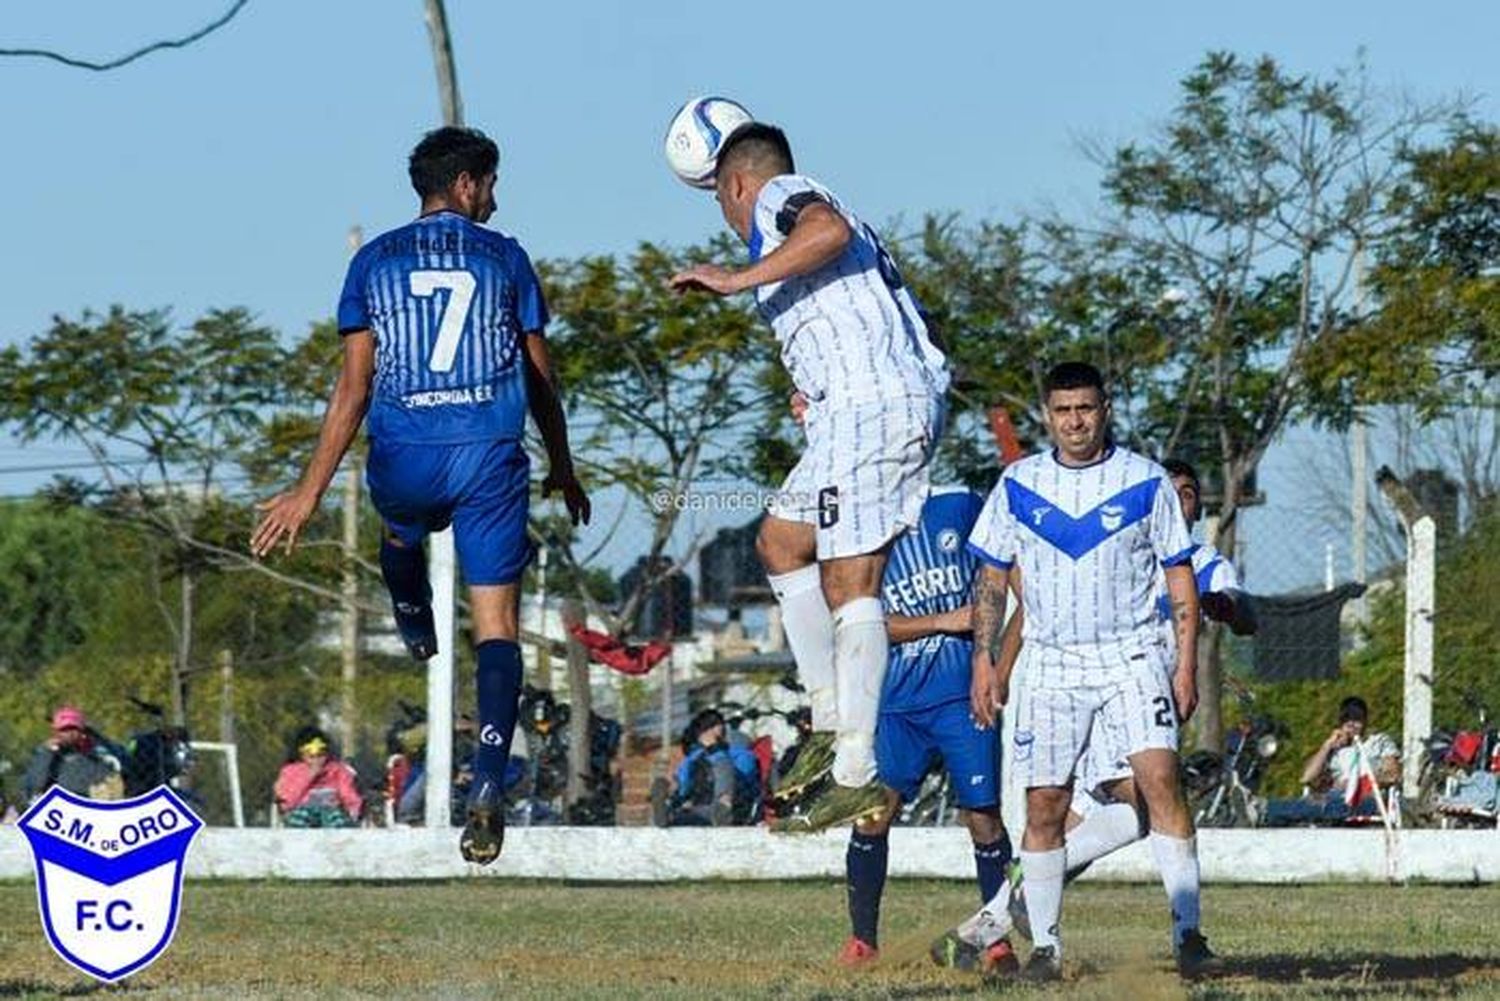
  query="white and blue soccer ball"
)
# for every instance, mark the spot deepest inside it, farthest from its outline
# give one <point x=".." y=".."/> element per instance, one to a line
<point x="697" y="134"/>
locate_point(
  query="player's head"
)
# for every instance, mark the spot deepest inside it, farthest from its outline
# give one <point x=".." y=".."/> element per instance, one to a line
<point x="1354" y="714"/>
<point x="454" y="168"/>
<point x="1189" y="490"/>
<point x="1077" y="410"/>
<point x="751" y="156"/>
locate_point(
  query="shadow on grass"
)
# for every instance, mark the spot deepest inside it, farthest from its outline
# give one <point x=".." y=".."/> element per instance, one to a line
<point x="1358" y="967"/>
<point x="41" y="988"/>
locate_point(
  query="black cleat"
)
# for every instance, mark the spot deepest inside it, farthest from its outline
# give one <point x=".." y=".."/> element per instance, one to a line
<point x="484" y="834"/>
<point x="417" y="628"/>
<point x="1195" y="958"/>
<point x="1043" y="967"/>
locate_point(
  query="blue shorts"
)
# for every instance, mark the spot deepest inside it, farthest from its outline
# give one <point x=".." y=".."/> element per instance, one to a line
<point x="481" y="489"/>
<point x="907" y="744"/>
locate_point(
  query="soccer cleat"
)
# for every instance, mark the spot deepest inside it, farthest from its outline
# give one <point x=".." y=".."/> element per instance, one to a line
<point x="417" y="629"/>
<point x="954" y="952"/>
<point x="1043" y="966"/>
<point x="813" y="762"/>
<point x="857" y="952"/>
<point x="484" y="833"/>
<point x="833" y="805"/>
<point x="1194" y="957"/>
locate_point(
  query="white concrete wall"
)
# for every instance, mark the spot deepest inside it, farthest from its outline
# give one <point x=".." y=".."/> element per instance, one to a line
<point x="649" y="854"/>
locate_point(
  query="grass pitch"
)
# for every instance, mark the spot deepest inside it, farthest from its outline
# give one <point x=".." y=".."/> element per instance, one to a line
<point x="495" y="939"/>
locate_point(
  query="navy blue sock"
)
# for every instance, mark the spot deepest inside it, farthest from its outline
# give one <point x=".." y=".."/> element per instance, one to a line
<point x="865" y="865"/>
<point x="498" y="680"/>
<point x="405" y="571"/>
<point x="989" y="862"/>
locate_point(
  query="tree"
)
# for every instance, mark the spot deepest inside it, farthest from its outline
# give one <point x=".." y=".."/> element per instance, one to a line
<point x="667" y="392"/>
<point x="167" y="415"/>
<point x="1253" y="206"/>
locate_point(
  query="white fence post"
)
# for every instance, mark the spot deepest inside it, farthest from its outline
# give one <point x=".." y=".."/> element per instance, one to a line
<point x="440" y="566"/>
<point x="1421" y="588"/>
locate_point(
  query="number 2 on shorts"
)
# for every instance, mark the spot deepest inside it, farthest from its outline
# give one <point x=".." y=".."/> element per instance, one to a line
<point x="1163" y="710"/>
<point x="460" y="286"/>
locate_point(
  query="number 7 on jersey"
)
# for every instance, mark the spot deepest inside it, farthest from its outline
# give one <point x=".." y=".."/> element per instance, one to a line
<point x="460" y="286"/>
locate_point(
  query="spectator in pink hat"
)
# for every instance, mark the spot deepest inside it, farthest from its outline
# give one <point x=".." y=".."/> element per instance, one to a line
<point x="71" y="758"/>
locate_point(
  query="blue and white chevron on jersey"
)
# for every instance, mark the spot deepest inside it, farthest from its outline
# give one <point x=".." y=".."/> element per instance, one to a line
<point x="1090" y="543"/>
<point x="930" y="571"/>
<point x="448" y="302"/>
<point x="851" y="331"/>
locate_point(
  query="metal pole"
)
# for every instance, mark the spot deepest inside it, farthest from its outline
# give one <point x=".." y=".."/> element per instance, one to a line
<point x="440" y="567"/>
<point x="349" y="589"/>
<point x="1359" y="486"/>
<point x="1421" y="593"/>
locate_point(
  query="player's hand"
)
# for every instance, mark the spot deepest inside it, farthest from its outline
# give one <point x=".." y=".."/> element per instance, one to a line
<point x="283" y="518"/>
<point x="707" y="278"/>
<point x="1216" y="605"/>
<point x="573" y="494"/>
<point x="985" y="690"/>
<point x="959" y="620"/>
<point x="1185" y="692"/>
<point x="798" y="404"/>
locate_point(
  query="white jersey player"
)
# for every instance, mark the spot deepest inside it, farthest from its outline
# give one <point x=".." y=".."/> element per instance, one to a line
<point x="858" y="351"/>
<point x="1092" y="529"/>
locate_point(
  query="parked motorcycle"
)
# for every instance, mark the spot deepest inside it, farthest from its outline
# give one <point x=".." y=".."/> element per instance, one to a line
<point x="1453" y="759"/>
<point x="1223" y="790"/>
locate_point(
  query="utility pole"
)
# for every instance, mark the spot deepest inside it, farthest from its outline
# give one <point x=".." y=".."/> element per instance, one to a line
<point x="440" y="558"/>
<point x="349" y="587"/>
<point x="1359" y="486"/>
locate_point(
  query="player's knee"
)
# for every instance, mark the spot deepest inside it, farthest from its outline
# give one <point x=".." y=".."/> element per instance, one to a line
<point x="984" y="825"/>
<point x="780" y="547"/>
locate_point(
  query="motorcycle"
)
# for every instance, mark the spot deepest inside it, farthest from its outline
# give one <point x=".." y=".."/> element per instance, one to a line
<point x="1223" y="790"/>
<point x="538" y="797"/>
<point x="1451" y="760"/>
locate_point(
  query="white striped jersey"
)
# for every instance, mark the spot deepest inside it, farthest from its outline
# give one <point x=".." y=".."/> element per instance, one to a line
<point x="850" y="331"/>
<point x="448" y="302"/>
<point x="1090" y="543"/>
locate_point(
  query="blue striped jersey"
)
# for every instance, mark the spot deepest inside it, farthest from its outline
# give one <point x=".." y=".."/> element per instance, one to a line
<point x="448" y="302"/>
<point x="851" y="331"/>
<point x="929" y="571"/>
<point x="1090" y="542"/>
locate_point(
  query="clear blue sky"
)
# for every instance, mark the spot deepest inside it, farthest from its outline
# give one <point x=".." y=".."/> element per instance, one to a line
<point x="229" y="173"/>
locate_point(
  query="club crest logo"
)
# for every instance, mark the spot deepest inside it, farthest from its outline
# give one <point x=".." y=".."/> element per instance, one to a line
<point x="1023" y="743"/>
<point x="1111" y="516"/>
<point x="948" y="540"/>
<point x="109" y="876"/>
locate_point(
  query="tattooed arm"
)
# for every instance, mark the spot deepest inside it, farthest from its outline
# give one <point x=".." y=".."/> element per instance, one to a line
<point x="1182" y="590"/>
<point x="989" y="620"/>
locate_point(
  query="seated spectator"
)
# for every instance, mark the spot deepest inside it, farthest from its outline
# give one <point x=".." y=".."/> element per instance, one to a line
<point x="1345" y="775"/>
<point x="717" y="784"/>
<point x="73" y="759"/>
<point x="315" y="788"/>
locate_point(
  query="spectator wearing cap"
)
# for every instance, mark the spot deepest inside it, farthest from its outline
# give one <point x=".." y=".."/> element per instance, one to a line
<point x="72" y="759"/>
<point x="315" y="787"/>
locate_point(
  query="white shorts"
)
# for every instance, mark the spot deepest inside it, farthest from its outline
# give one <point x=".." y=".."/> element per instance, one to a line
<point x="1089" y="731"/>
<point x="864" y="476"/>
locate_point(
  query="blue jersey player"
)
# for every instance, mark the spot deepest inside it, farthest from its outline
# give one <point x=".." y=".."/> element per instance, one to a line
<point x="924" y="710"/>
<point x="442" y="324"/>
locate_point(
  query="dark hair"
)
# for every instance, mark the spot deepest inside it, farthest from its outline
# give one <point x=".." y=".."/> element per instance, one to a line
<point x="759" y="147"/>
<point x="305" y="734"/>
<point x="1073" y="375"/>
<point x="1180" y="467"/>
<point x="445" y="153"/>
<point x="1353" y="708"/>
<point x="706" y="719"/>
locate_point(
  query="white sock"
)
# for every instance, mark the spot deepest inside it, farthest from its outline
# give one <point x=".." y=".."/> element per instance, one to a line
<point x="860" y="648"/>
<point x="1104" y="829"/>
<point x="1177" y="858"/>
<point x="1042" y="876"/>
<point x="992" y="921"/>
<point x="809" y="634"/>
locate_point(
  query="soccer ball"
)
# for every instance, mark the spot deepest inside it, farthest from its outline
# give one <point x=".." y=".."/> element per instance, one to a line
<point x="696" y="135"/>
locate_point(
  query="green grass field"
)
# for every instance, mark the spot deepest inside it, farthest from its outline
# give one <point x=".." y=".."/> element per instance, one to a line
<point x="494" y="939"/>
